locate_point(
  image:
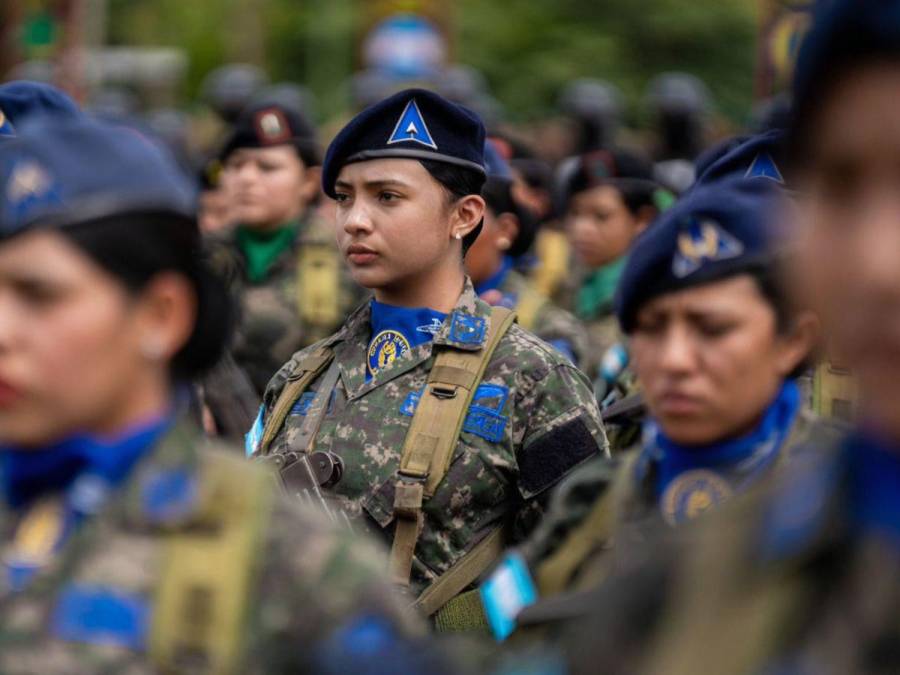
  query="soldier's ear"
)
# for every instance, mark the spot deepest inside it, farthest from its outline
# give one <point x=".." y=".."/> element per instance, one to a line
<point x="312" y="182"/>
<point x="468" y="213"/>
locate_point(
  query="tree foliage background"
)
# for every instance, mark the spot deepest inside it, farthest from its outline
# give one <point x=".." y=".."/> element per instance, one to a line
<point x="528" y="49"/>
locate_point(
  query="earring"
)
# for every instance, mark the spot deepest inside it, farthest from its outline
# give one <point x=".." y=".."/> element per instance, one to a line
<point x="458" y="235"/>
<point x="151" y="350"/>
<point x="503" y="244"/>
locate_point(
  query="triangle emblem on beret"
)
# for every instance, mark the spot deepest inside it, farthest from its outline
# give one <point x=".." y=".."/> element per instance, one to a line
<point x="411" y="127"/>
<point x="763" y="166"/>
<point x="701" y="242"/>
<point x="6" y="128"/>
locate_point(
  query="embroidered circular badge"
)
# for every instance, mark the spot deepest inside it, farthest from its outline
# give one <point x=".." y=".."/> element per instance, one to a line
<point x="38" y="534"/>
<point x="692" y="493"/>
<point x="385" y="348"/>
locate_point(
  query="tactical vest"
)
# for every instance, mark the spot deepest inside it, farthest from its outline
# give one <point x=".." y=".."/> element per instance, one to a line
<point x="427" y="451"/>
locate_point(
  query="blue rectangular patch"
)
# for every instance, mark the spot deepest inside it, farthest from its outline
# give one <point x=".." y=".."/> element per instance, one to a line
<point x="467" y="329"/>
<point x="483" y="419"/>
<point x="508" y="591"/>
<point x="101" y="616"/>
<point x="301" y="407"/>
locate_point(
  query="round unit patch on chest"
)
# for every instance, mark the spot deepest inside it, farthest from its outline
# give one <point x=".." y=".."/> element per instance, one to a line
<point x="385" y="348"/>
<point x="692" y="493"/>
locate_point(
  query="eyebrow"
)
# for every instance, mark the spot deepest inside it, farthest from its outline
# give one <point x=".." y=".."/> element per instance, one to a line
<point x="374" y="184"/>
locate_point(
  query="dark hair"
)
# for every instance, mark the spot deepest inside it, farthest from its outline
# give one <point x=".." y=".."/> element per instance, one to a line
<point x="136" y="247"/>
<point x="629" y="172"/>
<point x="459" y="182"/>
<point x="770" y="282"/>
<point x="498" y="195"/>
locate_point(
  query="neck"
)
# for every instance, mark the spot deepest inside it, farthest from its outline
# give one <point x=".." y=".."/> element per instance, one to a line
<point x="436" y="289"/>
<point x="142" y="402"/>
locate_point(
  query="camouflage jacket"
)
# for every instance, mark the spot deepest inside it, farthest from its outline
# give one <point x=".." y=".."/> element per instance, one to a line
<point x="537" y="314"/>
<point x="634" y="521"/>
<point x="777" y="582"/>
<point x="282" y="315"/>
<point x="102" y="603"/>
<point x="533" y="419"/>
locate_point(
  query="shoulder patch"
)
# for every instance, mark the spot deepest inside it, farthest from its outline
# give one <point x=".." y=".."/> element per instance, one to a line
<point x="550" y="457"/>
<point x="101" y="616"/>
<point x="168" y="496"/>
<point x="411" y="127"/>
<point x="484" y="417"/>
<point x="467" y="329"/>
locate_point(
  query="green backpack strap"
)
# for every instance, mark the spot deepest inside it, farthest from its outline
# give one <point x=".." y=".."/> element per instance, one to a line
<point x="207" y="570"/>
<point x="433" y="436"/>
<point x="306" y="372"/>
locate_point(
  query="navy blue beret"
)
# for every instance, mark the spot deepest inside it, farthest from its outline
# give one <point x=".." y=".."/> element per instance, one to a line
<point x="757" y="156"/>
<point x="843" y="31"/>
<point x="267" y="124"/>
<point x="413" y="124"/>
<point x="64" y="172"/>
<point x="719" y="230"/>
<point x="19" y="100"/>
<point x="496" y="166"/>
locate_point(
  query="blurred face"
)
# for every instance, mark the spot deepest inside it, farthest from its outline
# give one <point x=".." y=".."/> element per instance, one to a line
<point x="268" y="187"/>
<point x="71" y="338"/>
<point x="710" y="359"/>
<point x="396" y="225"/>
<point x="485" y="256"/>
<point x="851" y="247"/>
<point x="600" y="226"/>
<point x="215" y="210"/>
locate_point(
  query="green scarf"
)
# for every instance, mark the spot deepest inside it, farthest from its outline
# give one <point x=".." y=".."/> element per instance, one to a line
<point x="595" y="297"/>
<point x="262" y="248"/>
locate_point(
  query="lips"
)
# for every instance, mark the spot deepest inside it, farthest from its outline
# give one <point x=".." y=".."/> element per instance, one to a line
<point x="8" y="394"/>
<point x="359" y="254"/>
<point x="679" y="404"/>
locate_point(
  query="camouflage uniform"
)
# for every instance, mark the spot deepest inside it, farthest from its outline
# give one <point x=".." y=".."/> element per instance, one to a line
<point x="547" y="321"/>
<point x="533" y="419"/>
<point x="272" y="325"/>
<point x="306" y="584"/>
<point x="635" y="513"/>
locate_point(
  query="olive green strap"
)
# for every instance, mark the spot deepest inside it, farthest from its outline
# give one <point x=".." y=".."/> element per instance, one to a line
<point x="466" y="570"/>
<point x="318" y="286"/>
<point x="434" y="434"/>
<point x="464" y="613"/>
<point x="206" y="576"/>
<point x="304" y="375"/>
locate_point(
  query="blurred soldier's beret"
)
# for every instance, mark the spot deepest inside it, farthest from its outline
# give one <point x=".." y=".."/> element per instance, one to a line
<point x="718" y="230"/>
<point x="61" y="172"/>
<point x="267" y="124"/>
<point x="757" y="156"/>
<point x="19" y="100"/>
<point x="616" y="167"/>
<point x="412" y="124"/>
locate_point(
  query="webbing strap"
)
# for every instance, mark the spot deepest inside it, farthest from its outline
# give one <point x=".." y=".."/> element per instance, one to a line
<point x="554" y="575"/>
<point x="316" y="413"/>
<point x="466" y="570"/>
<point x="303" y="376"/>
<point x="433" y="435"/>
<point x="200" y="607"/>
<point x="318" y="286"/>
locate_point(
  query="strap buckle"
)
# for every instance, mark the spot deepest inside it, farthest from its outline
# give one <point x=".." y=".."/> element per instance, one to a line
<point x="442" y="392"/>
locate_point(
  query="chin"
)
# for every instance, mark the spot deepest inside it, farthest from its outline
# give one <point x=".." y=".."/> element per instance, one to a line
<point x="691" y="432"/>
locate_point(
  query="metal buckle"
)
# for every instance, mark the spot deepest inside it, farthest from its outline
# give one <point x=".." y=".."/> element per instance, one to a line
<point x="443" y="393"/>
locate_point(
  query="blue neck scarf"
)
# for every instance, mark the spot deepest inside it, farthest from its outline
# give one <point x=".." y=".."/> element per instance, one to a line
<point x="692" y="479"/>
<point x="26" y="475"/>
<point x="398" y="330"/>
<point x="874" y="492"/>
<point x="497" y="278"/>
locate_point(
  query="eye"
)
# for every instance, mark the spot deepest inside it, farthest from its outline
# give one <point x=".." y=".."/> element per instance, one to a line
<point x="652" y="325"/>
<point x="388" y="197"/>
<point x="341" y="197"/>
<point x="38" y="294"/>
<point x="715" y="329"/>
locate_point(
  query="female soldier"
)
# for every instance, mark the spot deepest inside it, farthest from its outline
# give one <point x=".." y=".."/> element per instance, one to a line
<point x="128" y="545"/>
<point x="507" y="234"/>
<point x="431" y="418"/>
<point x="280" y="259"/>
<point x="610" y="197"/>
<point x="716" y="346"/>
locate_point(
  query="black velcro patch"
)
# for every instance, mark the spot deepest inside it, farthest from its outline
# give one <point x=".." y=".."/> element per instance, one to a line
<point x="548" y="459"/>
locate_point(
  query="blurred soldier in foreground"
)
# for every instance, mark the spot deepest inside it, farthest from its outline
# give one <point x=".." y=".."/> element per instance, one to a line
<point x="129" y="544"/>
<point x="805" y="578"/>
<point x="429" y="417"/>
<point x="281" y="260"/>
<point x="508" y="232"/>
<point x="716" y="345"/>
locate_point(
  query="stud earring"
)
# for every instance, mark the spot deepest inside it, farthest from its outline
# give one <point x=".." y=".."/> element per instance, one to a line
<point x="151" y="350"/>
<point x="458" y="235"/>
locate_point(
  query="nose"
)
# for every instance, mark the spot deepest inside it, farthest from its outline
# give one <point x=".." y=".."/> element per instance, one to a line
<point x="355" y="219"/>
<point x="877" y="248"/>
<point x="677" y="351"/>
<point x="7" y="322"/>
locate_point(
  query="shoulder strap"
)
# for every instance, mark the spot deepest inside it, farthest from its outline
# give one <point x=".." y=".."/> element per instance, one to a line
<point x="434" y="434"/>
<point x="200" y="607"/>
<point x="527" y="308"/>
<point x="304" y="375"/>
<point x="555" y="573"/>
<point x="318" y="286"/>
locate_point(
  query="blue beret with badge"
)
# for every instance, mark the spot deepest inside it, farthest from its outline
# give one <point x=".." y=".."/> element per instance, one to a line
<point x="61" y="172"/>
<point x="716" y="231"/>
<point x="22" y="99"/>
<point x="758" y="156"/>
<point x="412" y="124"/>
<point x="269" y="124"/>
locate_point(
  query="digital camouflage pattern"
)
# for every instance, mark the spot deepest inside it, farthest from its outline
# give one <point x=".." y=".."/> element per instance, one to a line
<point x="532" y="421"/>
<point x="271" y="325"/>
<point x="778" y="581"/>
<point x="635" y="519"/>
<point x="550" y="323"/>
<point x="308" y="582"/>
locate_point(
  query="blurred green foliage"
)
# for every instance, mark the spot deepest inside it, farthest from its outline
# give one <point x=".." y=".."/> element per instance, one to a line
<point x="528" y="49"/>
